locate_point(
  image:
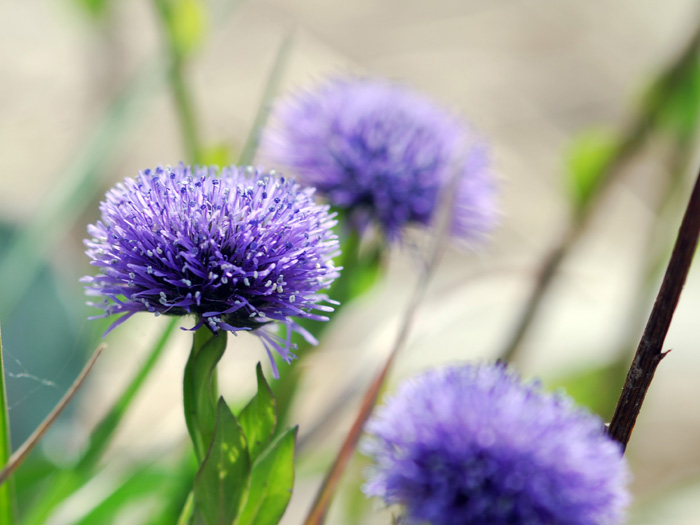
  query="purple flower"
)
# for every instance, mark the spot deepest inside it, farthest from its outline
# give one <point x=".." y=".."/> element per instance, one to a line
<point x="473" y="444"/>
<point x="383" y="153"/>
<point x="237" y="251"/>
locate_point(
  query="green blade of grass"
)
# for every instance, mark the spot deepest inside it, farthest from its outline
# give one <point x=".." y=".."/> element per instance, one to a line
<point x="25" y="449"/>
<point x="7" y="509"/>
<point x="74" y="190"/>
<point x="271" y="87"/>
<point x="68" y="481"/>
<point x="104" y="431"/>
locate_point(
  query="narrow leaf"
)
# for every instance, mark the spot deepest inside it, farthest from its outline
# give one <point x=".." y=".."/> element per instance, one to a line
<point x="6" y="490"/>
<point x="23" y="451"/>
<point x="587" y="162"/>
<point x="259" y="417"/>
<point x="271" y="483"/>
<point x="67" y="482"/>
<point x="271" y="87"/>
<point x="102" y="435"/>
<point x="222" y="481"/>
<point x="147" y="482"/>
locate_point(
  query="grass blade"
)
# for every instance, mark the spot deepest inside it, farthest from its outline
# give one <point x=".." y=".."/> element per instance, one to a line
<point x="74" y="191"/>
<point x="102" y="435"/>
<point x="23" y="451"/>
<point x="67" y="482"/>
<point x="271" y="87"/>
<point x="6" y="491"/>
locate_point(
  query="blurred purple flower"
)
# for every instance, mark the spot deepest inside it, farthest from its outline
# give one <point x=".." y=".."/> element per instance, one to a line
<point x="473" y="444"/>
<point x="237" y="251"/>
<point x="383" y="153"/>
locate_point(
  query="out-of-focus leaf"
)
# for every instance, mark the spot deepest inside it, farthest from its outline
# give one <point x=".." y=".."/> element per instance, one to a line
<point x="358" y="506"/>
<point x="150" y="482"/>
<point x="188" y="24"/>
<point x="370" y="271"/>
<point x="586" y="164"/>
<point x="95" y="8"/>
<point x="596" y="388"/>
<point x="6" y="489"/>
<point x="259" y="417"/>
<point x="102" y="435"/>
<point x="222" y="482"/>
<point x="177" y="492"/>
<point x="271" y="483"/>
<point x="680" y="110"/>
<point x="274" y="79"/>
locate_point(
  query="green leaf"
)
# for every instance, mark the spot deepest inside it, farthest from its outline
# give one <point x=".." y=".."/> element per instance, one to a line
<point x="199" y="387"/>
<point x="95" y="8"/>
<point x="103" y="432"/>
<point x="259" y="417"/>
<point x="586" y="163"/>
<point x="596" y="387"/>
<point x="679" y="110"/>
<point x="222" y="481"/>
<point x="188" y="24"/>
<point x="6" y="499"/>
<point x="148" y="482"/>
<point x="274" y="80"/>
<point x="271" y="483"/>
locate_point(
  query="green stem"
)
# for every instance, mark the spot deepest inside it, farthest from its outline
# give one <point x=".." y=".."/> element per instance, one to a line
<point x="7" y="508"/>
<point x="182" y="97"/>
<point x="200" y="388"/>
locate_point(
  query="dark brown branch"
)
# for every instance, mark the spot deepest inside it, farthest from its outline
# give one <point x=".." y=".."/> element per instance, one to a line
<point x="649" y="353"/>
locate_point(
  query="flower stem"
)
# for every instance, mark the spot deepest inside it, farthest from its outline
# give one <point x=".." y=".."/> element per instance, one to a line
<point x="200" y="388"/>
<point x="181" y="94"/>
<point x="649" y="353"/>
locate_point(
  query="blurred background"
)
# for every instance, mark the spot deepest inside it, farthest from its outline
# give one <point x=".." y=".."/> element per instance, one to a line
<point x="558" y="87"/>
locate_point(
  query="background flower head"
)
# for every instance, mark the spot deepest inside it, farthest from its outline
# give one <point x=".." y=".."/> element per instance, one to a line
<point x="238" y="249"/>
<point x="473" y="444"/>
<point x="383" y="153"/>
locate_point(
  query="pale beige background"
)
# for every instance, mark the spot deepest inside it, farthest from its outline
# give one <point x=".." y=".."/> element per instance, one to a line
<point x="530" y="75"/>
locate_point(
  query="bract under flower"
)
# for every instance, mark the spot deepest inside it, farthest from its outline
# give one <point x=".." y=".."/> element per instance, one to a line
<point x="238" y="249"/>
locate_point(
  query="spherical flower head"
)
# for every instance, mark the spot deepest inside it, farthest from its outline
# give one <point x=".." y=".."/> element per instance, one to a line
<point x="238" y="249"/>
<point x="473" y="444"/>
<point x="384" y="154"/>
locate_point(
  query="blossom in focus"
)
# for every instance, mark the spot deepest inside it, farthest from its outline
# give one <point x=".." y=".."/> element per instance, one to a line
<point x="384" y="153"/>
<point x="238" y="249"/>
<point x="474" y="444"/>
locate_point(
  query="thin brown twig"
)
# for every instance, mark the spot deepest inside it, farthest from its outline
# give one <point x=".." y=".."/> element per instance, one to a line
<point x="23" y="451"/>
<point x="649" y="353"/>
<point x="633" y="136"/>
